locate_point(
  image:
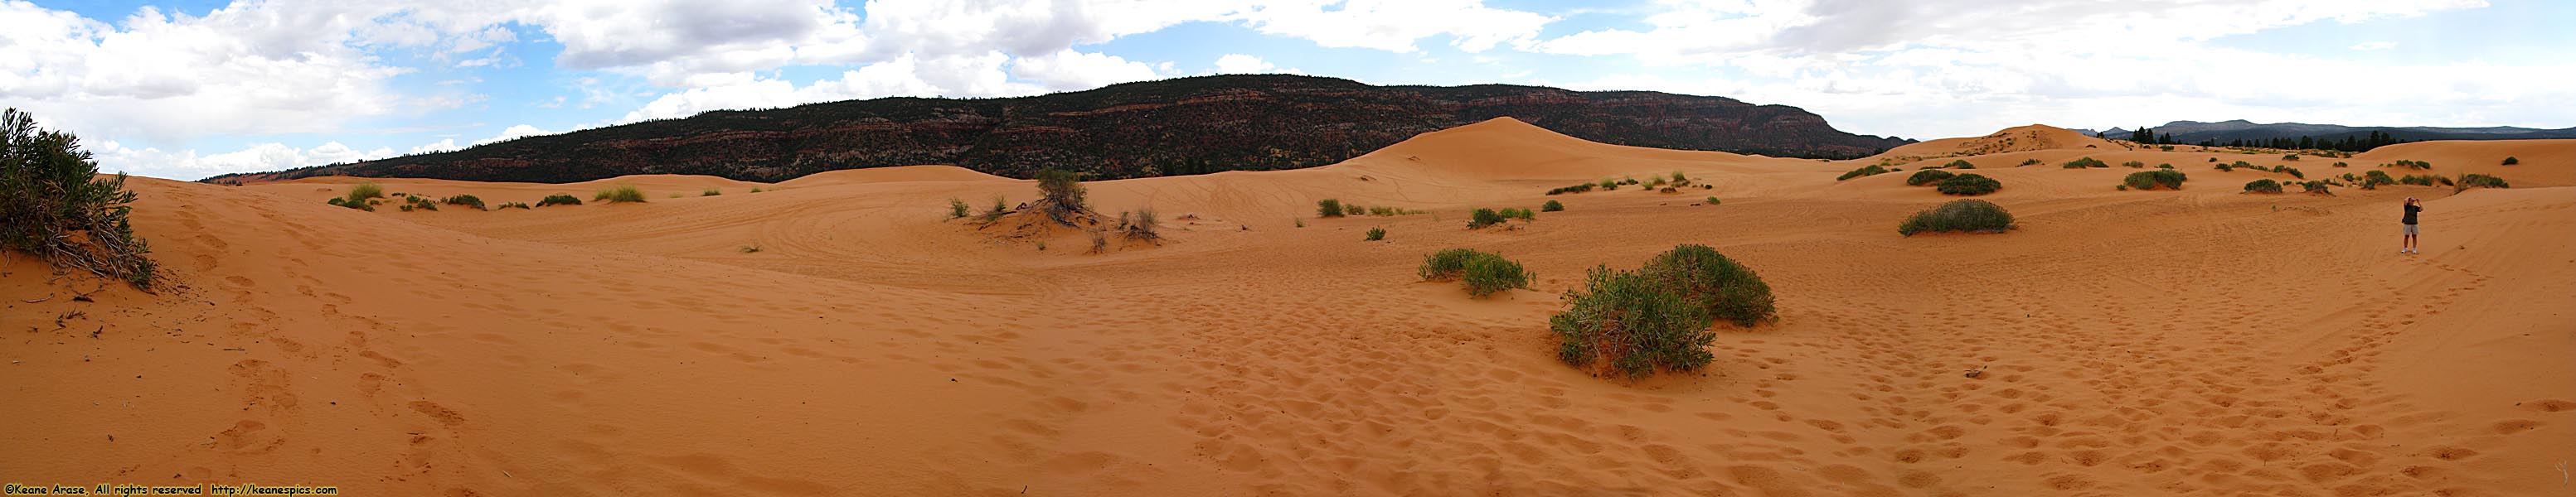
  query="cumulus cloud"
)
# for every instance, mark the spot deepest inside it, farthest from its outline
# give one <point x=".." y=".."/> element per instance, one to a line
<point x="187" y="164"/>
<point x="1235" y="63"/>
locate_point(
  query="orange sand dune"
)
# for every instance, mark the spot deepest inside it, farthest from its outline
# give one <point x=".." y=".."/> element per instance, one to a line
<point x="2193" y="342"/>
<point x="2014" y="139"/>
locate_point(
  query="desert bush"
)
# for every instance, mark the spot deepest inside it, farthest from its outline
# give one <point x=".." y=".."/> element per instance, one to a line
<point x="2290" y="157"/>
<point x="1376" y="233"/>
<point x="1483" y="217"/>
<point x="343" y="202"/>
<point x="2475" y="180"/>
<point x="1863" y="171"/>
<point x="1971" y="184"/>
<point x="1328" y="208"/>
<point x="2370" y="180"/>
<point x="2316" y="187"/>
<point x="1631" y="322"/>
<point x="1551" y="206"/>
<point x="621" y="193"/>
<point x="2414" y="164"/>
<point x="2292" y="171"/>
<point x="1970" y="215"/>
<point x="755" y="189"/>
<point x="1679" y="178"/>
<point x="2263" y="186"/>
<point x="1725" y="289"/>
<point x="558" y="199"/>
<point x="1142" y="225"/>
<point x="514" y="205"/>
<point x="2342" y="164"/>
<point x="1927" y="176"/>
<point x="54" y="206"/>
<point x="465" y="200"/>
<point x="2085" y="162"/>
<point x="2415" y="180"/>
<point x="1960" y="164"/>
<point x="2149" y="180"/>
<point x="1571" y="189"/>
<point x="2134" y="164"/>
<point x="2167" y="148"/>
<point x="2511" y="161"/>
<point x="1607" y="184"/>
<point x="1517" y="213"/>
<point x="1000" y="207"/>
<point x="2164" y="166"/>
<point x="957" y="208"/>
<point x="1353" y="209"/>
<point x="2030" y="162"/>
<point x="710" y="192"/>
<point x="1061" y="193"/>
<point x="364" y="191"/>
<point x="1712" y="200"/>
<point x="1483" y="273"/>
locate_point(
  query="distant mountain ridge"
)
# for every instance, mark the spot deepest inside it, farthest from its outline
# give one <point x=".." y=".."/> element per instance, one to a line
<point x="1176" y="126"/>
<point x="2228" y="131"/>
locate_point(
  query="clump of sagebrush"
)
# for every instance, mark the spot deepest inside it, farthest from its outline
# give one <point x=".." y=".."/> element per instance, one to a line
<point x="1632" y="324"/>
<point x="1571" y="189"/>
<point x="1551" y="206"/>
<point x="2509" y="160"/>
<point x="1868" y="170"/>
<point x="1483" y="273"/>
<point x="365" y="191"/>
<point x="2290" y="157"/>
<point x="710" y="192"/>
<point x="2263" y="186"/>
<point x="1376" y="233"/>
<point x="465" y="200"/>
<point x="2164" y="166"/>
<point x="1328" y="208"/>
<point x="1960" y="164"/>
<point x="755" y="189"/>
<point x="2417" y="180"/>
<point x="2085" y="162"/>
<point x="1519" y="213"/>
<point x="1354" y="210"/>
<point x="2134" y="164"/>
<point x="620" y="193"/>
<point x="1971" y="184"/>
<point x="2316" y="187"/>
<point x="1608" y="184"/>
<point x="2292" y="171"/>
<point x="1712" y="200"/>
<point x="1000" y="207"/>
<point x="1141" y="226"/>
<point x="514" y="205"/>
<point x="2370" y="180"/>
<point x="2342" y="164"/>
<point x="1726" y="289"/>
<point x="416" y="202"/>
<point x="1391" y="211"/>
<point x="2029" y="162"/>
<point x="2414" y="164"/>
<point x="1970" y="215"/>
<point x="1927" y="176"/>
<point x="1060" y="195"/>
<point x="2149" y="180"/>
<point x="957" y="208"/>
<point x="2475" y="180"/>
<point x="344" y="202"/>
<point x="1483" y="217"/>
<point x="53" y="205"/>
<point x="558" y="199"/>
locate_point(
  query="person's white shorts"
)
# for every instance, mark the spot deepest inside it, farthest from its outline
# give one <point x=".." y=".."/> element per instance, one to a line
<point x="2410" y="229"/>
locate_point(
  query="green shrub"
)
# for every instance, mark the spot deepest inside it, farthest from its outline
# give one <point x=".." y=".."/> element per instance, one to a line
<point x="957" y="208"/>
<point x="2167" y="148"/>
<point x="1000" y="207"/>
<point x="1678" y="178"/>
<point x="2341" y="164"/>
<point x="1484" y="217"/>
<point x="2164" y="166"/>
<point x="710" y="192"/>
<point x="1863" y="171"/>
<point x="2370" y="180"/>
<point x="1060" y="193"/>
<point x="1712" y="200"/>
<point x="1376" y="233"/>
<point x="1483" y="273"/>
<point x="2290" y="157"/>
<point x="2416" y="180"/>
<point x="2475" y="180"/>
<point x="755" y="189"/>
<point x="1632" y="323"/>
<point x="465" y="200"/>
<point x="2263" y="186"/>
<point x="621" y="193"/>
<point x="2294" y="172"/>
<point x="514" y="205"/>
<point x="2150" y="180"/>
<point x="1328" y="208"/>
<point x="1551" y="206"/>
<point x="1970" y="215"/>
<point x="2134" y="164"/>
<point x="54" y="206"/>
<point x="2085" y="162"/>
<point x="2414" y="164"/>
<point x="359" y="205"/>
<point x="2316" y="187"/>
<point x="1516" y="213"/>
<point x="558" y="199"/>
<point x="1927" y="176"/>
<point x="1607" y="184"/>
<point x="1971" y="184"/>
<point x="1725" y="289"/>
<point x="1571" y="189"/>
<point x="2511" y="161"/>
<point x="2029" y="162"/>
<point x="1354" y="210"/>
<point x="365" y="191"/>
<point x="1960" y="164"/>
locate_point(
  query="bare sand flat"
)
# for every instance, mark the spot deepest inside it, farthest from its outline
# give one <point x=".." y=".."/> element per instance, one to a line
<point x="2192" y="342"/>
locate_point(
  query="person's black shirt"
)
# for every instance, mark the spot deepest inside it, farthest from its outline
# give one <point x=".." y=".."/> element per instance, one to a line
<point x="2410" y="213"/>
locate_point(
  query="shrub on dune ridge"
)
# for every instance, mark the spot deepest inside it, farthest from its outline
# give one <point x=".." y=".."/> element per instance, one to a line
<point x="1328" y="208"/>
<point x="513" y="205"/>
<point x="1551" y="206"/>
<point x="1353" y="210"/>
<point x="710" y="192"/>
<point x="2030" y="162"/>
<point x="620" y="193"/>
<point x="2263" y="186"/>
<point x="2085" y="162"/>
<point x="464" y="200"/>
<point x="1960" y="164"/>
<point x="1863" y="171"/>
<point x="957" y="208"/>
<point x="2511" y="161"/>
<point x="1969" y="215"/>
<point x="1971" y="184"/>
<point x="2475" y="180"/>
<point x="558" y="199"/>
<point x="54" y="206"/>
<point x="1483" y="273"/>
<point x="1723" y="288"/>
<point x="1927" y="176"/>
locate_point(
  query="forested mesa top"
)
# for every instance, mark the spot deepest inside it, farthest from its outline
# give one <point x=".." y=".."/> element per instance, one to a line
<point x="1177" y="126"/>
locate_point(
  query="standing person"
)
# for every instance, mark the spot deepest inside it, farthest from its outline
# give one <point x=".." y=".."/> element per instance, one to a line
<point x="2412" y="207"/>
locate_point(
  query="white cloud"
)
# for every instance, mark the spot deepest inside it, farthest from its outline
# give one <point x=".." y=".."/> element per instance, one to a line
<point x="1394" y="25"/>
<point x="442" y="145"/>
<point x="1235" y="63"/>
<point x="2374" y="45"/>
<point x="1070" y="70"/>
<point x="115" y="157"/>
<point x="513" y="132"/>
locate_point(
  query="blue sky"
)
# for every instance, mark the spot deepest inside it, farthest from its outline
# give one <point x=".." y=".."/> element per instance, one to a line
<point x="187" y="89"/>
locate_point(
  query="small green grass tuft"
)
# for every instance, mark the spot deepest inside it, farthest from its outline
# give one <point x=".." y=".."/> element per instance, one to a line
<point x="1553" y="206"/>
<point x="710" y="192"/>
<point x="1376" y="233"/>
<point x="465" y="200"/>
<point x="620" y="193"/>
<point x="514" y="205"/>
<point x="1328" y="208"/>
<point x="2030" y="162"/>
<point x="1970" y="184"/>
<point x="2511" y="161"/>
<point x="957" y="208"/>
<point x="1712" y="200"/>
<point x="558" y="199"/>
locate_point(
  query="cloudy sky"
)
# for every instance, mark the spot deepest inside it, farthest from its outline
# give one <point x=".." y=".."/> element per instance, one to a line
<point x="186" y="88"/>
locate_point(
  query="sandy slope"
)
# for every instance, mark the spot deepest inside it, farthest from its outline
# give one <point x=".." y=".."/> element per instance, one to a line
<point x="2136" y="343"/>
